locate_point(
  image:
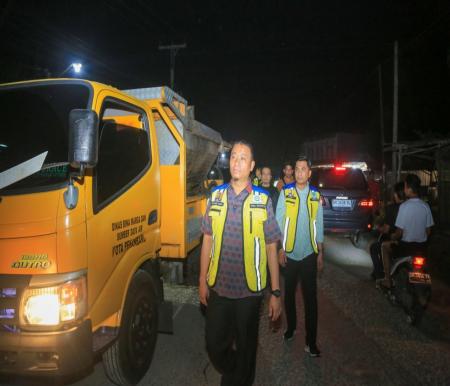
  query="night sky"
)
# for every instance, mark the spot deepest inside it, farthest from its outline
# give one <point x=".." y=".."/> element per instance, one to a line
<point x="276" y="73"/>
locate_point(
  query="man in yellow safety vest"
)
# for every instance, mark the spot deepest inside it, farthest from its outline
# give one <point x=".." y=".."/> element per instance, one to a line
<point x="300" y="217"/>
<point x="240" y="236"/>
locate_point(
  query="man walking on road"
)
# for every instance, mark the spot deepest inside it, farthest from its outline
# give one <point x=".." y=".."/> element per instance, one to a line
<point x="287" y="177"/>
<point x="300" y="217"/>
<point x="266" y="183"/>
<point x="239" y="243"/>
<point x="257" y="177"/>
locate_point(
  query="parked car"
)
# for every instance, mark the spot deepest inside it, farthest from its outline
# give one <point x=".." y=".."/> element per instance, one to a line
<point x="347" y="204"/>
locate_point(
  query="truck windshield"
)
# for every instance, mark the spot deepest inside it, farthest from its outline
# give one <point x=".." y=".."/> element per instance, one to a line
<point x="34" y="120"/>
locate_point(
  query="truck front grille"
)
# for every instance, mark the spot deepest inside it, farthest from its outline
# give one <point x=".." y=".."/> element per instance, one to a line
<point x="11" y="289"/>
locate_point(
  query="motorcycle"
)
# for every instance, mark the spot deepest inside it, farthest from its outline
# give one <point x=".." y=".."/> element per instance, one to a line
<point x="411" y="286"/>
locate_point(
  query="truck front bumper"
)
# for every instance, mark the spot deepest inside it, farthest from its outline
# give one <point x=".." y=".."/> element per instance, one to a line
<point x="59" y="353"/>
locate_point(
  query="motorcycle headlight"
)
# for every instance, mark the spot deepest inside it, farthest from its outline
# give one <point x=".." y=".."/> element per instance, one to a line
<point x="52" y="306"/>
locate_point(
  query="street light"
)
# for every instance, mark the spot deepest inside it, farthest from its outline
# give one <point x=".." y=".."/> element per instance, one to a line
<point x="75" y="66"/>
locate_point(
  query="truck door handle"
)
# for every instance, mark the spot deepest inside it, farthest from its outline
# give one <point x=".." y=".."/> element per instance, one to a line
<point x="152" y="217"/>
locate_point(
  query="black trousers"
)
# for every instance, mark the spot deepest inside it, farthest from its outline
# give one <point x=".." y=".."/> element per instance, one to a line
<point x="232" y="337"/>
<point x="404" y="248"/>
<point x="375" y="254"/>
<point x="306" y="270"/>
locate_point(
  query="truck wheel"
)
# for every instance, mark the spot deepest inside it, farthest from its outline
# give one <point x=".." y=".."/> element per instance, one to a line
<point x="129" y="358"/>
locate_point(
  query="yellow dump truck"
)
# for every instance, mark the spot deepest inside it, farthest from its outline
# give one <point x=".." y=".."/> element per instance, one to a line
<point x="96" y="185"/>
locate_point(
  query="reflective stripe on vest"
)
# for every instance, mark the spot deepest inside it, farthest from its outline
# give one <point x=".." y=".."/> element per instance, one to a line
<point x="292" y="203"/>
<point x="254" y="213"/>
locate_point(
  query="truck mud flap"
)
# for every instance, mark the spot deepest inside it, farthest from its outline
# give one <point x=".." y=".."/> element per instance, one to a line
<point x="165" y="319"/>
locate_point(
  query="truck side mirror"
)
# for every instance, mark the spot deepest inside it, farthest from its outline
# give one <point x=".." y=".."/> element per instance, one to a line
<point x="83" y="138"/>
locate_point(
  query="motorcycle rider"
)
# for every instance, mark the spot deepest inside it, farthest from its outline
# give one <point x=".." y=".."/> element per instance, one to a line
<point x="413" y="223"/>
<point x="385" y="229"/>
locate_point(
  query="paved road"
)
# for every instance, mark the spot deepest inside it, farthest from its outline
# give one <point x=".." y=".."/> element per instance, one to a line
<point x="364" y="340"/>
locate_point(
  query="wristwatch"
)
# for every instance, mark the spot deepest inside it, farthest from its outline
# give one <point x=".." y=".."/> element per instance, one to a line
<point x="276" y="293"/>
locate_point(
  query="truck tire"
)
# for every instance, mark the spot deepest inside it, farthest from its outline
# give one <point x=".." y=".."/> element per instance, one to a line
<point x="129" y="358"/>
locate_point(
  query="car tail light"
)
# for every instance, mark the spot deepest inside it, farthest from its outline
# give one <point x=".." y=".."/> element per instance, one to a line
<point x="418" y="262"/>
<point x="367" y="203"/>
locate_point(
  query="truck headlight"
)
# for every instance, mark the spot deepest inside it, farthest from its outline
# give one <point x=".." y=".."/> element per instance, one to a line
<point x="52" y="306"/>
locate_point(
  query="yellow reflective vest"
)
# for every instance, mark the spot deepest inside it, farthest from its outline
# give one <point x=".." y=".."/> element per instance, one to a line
<point x="292" y="203"/>
<point x="254" y="213"/>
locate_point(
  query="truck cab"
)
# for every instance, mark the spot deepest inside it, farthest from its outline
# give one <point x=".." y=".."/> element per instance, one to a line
<point x="93" y="191"/>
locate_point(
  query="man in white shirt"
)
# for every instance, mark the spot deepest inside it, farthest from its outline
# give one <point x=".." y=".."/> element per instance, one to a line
<point x="413" y="223"/>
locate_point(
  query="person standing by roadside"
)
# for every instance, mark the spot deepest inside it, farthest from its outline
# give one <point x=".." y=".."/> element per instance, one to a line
<point x="266" y="183"/>
<point x="240" y="236"/>
<point x="287" y="177"/>
<point x="300" y="217"/>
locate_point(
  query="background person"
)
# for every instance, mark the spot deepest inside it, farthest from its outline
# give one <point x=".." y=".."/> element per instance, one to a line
<point x="287" y="175"/>
<point x="266" y="183"/>
<point x="413" y="227"/>
<point x="386" y="228"/>
<point x="257" y="177"/>
<point x="375" y="191"/>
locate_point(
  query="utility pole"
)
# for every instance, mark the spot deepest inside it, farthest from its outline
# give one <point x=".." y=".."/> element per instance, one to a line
<point x="383" y="162"/>
<point x="173" y="50"/>
<point x="395" y="118"/>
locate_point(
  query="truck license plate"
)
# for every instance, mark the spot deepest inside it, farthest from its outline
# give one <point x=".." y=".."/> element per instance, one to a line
<point x="419" y="278"/>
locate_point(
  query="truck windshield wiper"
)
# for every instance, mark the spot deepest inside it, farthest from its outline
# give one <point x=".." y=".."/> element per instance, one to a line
<point x="53" y="165"/>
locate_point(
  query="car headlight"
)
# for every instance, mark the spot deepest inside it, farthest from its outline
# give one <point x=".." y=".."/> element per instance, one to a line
<point x="52" y="306"/>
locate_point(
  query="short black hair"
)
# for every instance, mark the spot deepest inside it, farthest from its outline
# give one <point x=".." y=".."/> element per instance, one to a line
<point x="399" y="189"/>
<point x="304" y="158"/>
<point x="413" y="182"/>
<point x="287" y="163"/>
<point x="245" y="143"/>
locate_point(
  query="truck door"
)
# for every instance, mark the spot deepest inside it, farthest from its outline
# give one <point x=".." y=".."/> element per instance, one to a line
<point x="123" y="217"/>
